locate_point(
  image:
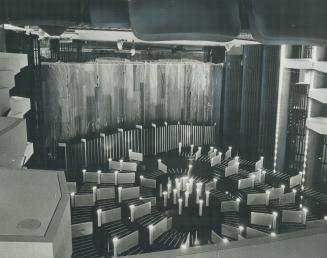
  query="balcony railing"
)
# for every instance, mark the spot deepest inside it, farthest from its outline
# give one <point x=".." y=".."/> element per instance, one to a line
<point x="301" y="52"/>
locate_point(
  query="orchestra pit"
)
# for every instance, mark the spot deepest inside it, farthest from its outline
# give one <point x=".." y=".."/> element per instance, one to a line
<point x="156" y="128"/>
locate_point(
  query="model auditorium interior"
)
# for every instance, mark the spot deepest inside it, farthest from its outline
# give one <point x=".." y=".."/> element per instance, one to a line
<point x="158" y="128"/>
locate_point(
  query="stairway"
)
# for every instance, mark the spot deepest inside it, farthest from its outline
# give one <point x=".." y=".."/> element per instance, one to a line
<point x="14" y="148"/>
<point x="171" y="239"/>
<point x="133" y="251"/>
<point x="153" y="218"/>
<point x="231" y="219"/>
<point x="83" y="247"/>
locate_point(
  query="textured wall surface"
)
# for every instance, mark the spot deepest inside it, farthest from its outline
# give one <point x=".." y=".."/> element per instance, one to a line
<point x="232" y="100"/>
<point x="81" y="99"/>
<point x="250" y="101"/>
<point x="2" y="40"/>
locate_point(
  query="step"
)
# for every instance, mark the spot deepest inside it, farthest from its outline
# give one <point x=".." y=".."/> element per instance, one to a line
<point x="12" y="62"/>
<point x="13" y="140"/>
<point x="7" y="79"/>
<point x="83" y="247"/>
<point x="4" y="100"/>
<point x="19" y="106"/>
<point x="133" y="251"/>
<point x="107" y="204"/>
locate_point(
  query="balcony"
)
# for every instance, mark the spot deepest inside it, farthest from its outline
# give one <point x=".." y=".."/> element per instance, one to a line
<point x="300" y="52"/>
<point x="319" y="95"/>
<point x="317" y="124"/>
<point x="302" y="64"/>
<point x="320" y="66"/>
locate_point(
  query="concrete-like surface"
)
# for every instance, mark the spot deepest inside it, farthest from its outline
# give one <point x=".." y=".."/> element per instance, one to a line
<point x="12" y="62"/>
<point x="317" y="124"/>
<point x="321" y="66"/>
<point x="298" y="63"/>
<point x="319" y="95"/>
<point x="7" y="79"/>
<point x="19" y="105"/>
<point x="307" y="64"/>
<point x="38" y="198"/>
<point x="13" y="140"/>
<point x="28" y="201"/>
<point x="4" y="100"/>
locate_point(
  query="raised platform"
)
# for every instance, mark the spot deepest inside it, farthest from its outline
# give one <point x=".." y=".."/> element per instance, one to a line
<point x="34" y="214"/>
<point x="28" y="201"/>
<point x="13" y="140"/>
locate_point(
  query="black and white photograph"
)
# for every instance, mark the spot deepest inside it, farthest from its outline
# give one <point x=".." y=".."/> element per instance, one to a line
<point x="163" y="128"/>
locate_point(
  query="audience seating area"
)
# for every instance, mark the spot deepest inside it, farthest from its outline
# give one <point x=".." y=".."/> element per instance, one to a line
<point x="193" y="195"/>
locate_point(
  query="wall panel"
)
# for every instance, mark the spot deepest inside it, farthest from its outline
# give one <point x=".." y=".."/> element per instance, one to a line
<point x="87" y="98"/>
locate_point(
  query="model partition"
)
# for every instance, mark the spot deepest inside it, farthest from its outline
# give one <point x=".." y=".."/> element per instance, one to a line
<point x="230" y="206"/>
<point x="134" y="144"/>
<point x="215" y="160"/>
<point x="106" y="193"/>
<point x="82" y="229"/>
<point x="82" y="200"/>
<point x="137" y="156"/>
<point x="259" y="176"/>
<point x="140" y="211"/>
<point x="109" y="178"/>
<point x="258" y="199"/>
<point x="104" y="217"/>
<point x="90" y="177"/>
<point x="246" y="183"/>
<point x="162" y="167"/>
<point x="146" y="182"/>
<point x="292" y="216"/>
<point x="231" y="170"/>
<point x="126" y="178"/>
<point x="253" y="233"/>
<point x="121" y="237"/>
<point x="113" y="178"/>
<point x="128" y="193"/>
<point x="208" y="186"/>
<point x="276" y="193"/>
<point x="216" y="239"/>
<point x="230" y="231"/>
<point x="82" y="241"/>
<point x="152" y="200"/>
<point x="158" y="229"/>
<point x="287" y="198"/>
<point x="121" y="165"/>
<point x="264" y="219"/>
<point x="296" y="180"/>
<point x="125" y="243"/>
<point x="128" y="166"/>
